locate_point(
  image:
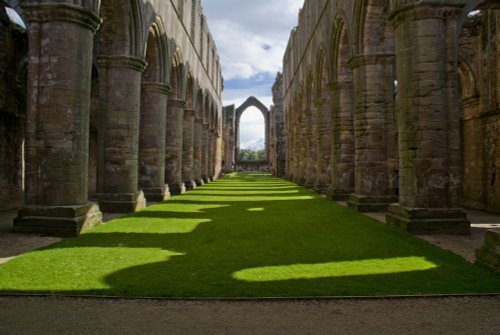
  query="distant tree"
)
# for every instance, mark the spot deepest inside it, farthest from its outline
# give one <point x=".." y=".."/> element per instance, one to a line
<point x="250" y="155"/>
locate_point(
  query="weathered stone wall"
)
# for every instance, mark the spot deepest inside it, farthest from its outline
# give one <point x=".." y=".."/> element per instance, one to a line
<point x="12" y="112"/>
<point x="124" y="105"/>
<point x="382" y="76"/>
<point x="478" y="73"/>
<point x="277" y="155"/>
<point x="228" y="131"/>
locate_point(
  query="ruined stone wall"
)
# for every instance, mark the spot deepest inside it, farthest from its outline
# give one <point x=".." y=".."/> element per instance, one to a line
<point x="478" y="70"/>
<point x="123" y="106"/>
<point x="228" y="136"/>
<point x="377" y="83"/>
<point x="12" y="112"/>
<point x="277" y="123"/>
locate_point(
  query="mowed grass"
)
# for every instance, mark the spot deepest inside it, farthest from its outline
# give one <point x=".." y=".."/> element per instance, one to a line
<point x="246" y="235"/>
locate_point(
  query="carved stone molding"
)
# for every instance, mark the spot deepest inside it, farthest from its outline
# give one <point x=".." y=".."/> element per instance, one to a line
<point x="371" y="59"/>
<point x="122" y="61"/>
<point x="52" y="11"/>
<point x="423" y="10"/>
<point x="189" y="112"/>
<point x="156" y="87"/>
<point x="176" y="103"/>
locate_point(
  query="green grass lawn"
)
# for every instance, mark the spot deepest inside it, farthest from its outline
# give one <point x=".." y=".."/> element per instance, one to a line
<point x="246" y="235"/>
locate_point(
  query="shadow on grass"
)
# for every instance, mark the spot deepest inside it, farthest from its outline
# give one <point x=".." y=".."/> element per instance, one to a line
<point x="217" y="248"/>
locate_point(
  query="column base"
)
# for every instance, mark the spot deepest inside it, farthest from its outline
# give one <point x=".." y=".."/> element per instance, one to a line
<point x="321" y="188"/>
<point x="157" y="194"/>
<point x="425" y="221"/>
<point x="177" y="188"/>
<point x="338" y="194"/>
<point x="190" y="185"/>
<point x="199" y="182"/>
<point x="121" y="203"/>
<point x="366" y="203"/>
<point x="60" y="221"/>
<point x="207" y="180"/>
<point x="489" y="254"/>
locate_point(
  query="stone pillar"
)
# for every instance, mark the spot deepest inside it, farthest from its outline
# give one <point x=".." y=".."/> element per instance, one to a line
<point x="118" y="137"/>
<point x="301" y="152"/>
<point x="211" y="153"/>
<point x="198" y="145"/>
<point x="324" y="145"/>
<point x="429" y="120"/>
<point x="311" y="142"/>
<point x="205" y="154"/>
<point x="57" y="128"/>
<point x="188" y="150"/>
<point x="489" y="254"/>
<point x="374" y="129"/>
<point x="152" y="141"/>
<point x="343" y="142"/>
<point x="173" y="157"/>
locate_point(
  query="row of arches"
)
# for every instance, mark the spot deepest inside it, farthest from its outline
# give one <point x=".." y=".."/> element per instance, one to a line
<point x="121" y="108"/>
<point x="373" y="110"/>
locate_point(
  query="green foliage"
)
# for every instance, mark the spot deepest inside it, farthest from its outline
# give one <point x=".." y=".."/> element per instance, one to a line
<point x="246" y="235"/>
<point x="252" y="156"/>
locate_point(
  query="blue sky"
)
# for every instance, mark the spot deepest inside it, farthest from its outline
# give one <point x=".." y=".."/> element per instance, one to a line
<point x="251" y="37"/>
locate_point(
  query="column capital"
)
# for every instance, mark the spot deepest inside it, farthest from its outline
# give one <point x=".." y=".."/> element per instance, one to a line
<point x="371" y="59"/>
<point x="337" y="85"/>
<point x="156" y="87"/>
<point x="189" y="112"/>
<point x="404" y="11"/>
<point x="58" y="11"/>
<point x="199" y="120"/>
<point x="205" y="125"/>
<point x="176" y="103"/>
<point x="122" y="61"/>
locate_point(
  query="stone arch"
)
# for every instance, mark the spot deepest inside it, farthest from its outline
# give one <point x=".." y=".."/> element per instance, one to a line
<point x="324" y="122"/>
<point x="175" y="121"/>
<point x="479" y="95"/>
<point x="310" y="126"/>
<point x="153" y="122"/>
<point x="299" y="130"/>
<point x="189" y="134"/>
<point x="13" y="86"/>
<point x="120" y="49"/>
<point x="121" y="32"/>
<point x="251" y="102"/>
<point x="178" y="78"/>
<point x="343" y="128"/>
<point x="471" y="5"/>
<point x="373" y="67"/>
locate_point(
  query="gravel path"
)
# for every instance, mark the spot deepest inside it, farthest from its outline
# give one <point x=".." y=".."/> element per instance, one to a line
<point x="457" y="315"/>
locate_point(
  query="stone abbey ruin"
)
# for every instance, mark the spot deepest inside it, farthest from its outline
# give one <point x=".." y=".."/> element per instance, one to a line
<point x="390" y="105"/>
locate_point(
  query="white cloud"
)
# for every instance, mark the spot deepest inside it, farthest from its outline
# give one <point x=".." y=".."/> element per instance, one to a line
<point x="251" y="36"/>
<point x="245" y="54"/>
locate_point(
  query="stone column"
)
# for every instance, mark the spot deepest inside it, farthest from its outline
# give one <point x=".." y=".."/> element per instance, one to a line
<point x="57" y="125"/>
<point x="118" y="137"/>
<point x="198" y="145"/>
<point x="429" y="120"/>
<point x="324" y="145"/>
<point x="152" y="141"/>
<point x="173" y="157"/>
<point x="188" y="150"/>
<point x="311" y="142"/>
<point x="343" y="142"/>
<point x="211" y="153"/>
<point x="301" y="152"/>
<point x="205" y="154"/>
<point x="374" y="129"/>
